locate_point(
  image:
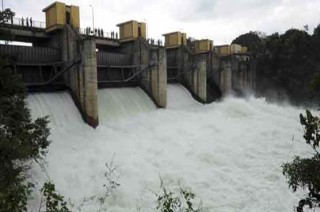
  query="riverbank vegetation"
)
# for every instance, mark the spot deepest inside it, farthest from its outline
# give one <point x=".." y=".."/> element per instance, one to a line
<point x="287" y="64"/>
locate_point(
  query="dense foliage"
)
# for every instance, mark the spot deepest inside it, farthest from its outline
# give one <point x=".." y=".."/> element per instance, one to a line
<point x="286" y="64"/>
<point x="54" y="202"/>
<point x="5" y="17"/>
<point x="21" y="140"/>
<point x="305" y="172"/>
<point x="252" y="40"/>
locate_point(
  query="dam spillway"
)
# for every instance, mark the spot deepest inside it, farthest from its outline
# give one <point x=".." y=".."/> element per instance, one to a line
<point x="230" y="153"/>
<point x="120" y="103"/>
<point x="62" y="56"/>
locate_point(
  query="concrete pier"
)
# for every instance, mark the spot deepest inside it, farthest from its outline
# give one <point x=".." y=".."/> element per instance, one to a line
<point x="82" y="78"/>
<point x="226" y="75"/>
<point x="153" y="67"/>
<point x="213" y="77"/>
<point x="156" y="84"/>
<point x="88" y="94"/>
<point x="194" y="75"/>
<point x="237" y="74"/>
<point x="188" y="69"/>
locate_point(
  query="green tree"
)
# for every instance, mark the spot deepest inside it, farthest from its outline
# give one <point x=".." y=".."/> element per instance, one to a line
<point x="252" y="40"/>
<point x="182" y="200"/>
<point x="286" y="63"/>
<point x="316" y="31"/>
<point x="5" y="17"/>
<point x="305" y="172"/>
<point x="21" y="140"/>
<point x="54" y="202"/>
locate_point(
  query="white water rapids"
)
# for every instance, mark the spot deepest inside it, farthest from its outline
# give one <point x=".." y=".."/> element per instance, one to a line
<point x="229" y="153"/>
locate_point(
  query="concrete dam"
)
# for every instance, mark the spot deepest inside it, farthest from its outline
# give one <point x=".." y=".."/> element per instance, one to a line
<point x="228" y="152"/>
<point x="81" y="61"/>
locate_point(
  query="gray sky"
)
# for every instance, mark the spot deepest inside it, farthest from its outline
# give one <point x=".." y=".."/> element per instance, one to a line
<point x="219" y="20"/>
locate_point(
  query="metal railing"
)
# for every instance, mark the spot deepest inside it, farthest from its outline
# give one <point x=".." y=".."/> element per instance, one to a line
<point x="26" y="22"/>
<point x="99" y="32"/>
<point x="154" y="42"/>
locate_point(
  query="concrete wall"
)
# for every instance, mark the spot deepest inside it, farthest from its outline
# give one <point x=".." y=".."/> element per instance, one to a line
<point x="213" y="77"/>
<point x="205" y="75"/>
<point x="89" y="85"/>
<point x="226" y="76"/>
<point x="200" y="79"/>
<point x="81" y="79"/>
<point x="193" y="73"/>
<point x="237" y="74"/>
<point x="243" y="73"/>
<point x="152" y="60"/>
<point x="154" y="81"/>
<point x="213" y="70"/>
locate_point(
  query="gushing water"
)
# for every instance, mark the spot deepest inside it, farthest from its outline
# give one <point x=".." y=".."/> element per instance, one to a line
<point x="230" y="153"/>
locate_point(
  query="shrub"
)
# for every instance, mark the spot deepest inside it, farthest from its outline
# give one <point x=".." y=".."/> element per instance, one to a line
<point x="305" y="172"/>
<point x="182" y="200"/>
<point x="21" y="140"/>
<point x="54" y="202"/>
<point x="111" y="184"/>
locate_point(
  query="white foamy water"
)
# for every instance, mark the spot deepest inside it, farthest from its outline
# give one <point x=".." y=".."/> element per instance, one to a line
<point x="230" y="153"/>
<point x="117" y="103"/>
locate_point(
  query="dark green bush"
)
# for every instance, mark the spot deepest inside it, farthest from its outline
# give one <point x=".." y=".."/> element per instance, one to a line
<point x="305" y="172"/>
<point x="21" y="140"/>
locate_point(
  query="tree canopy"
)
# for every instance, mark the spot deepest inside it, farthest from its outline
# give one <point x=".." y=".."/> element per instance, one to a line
<point x="250" y="40"/>
<point x="6" y="15"/>
<point x="21" y="139"/>
<point x="286" y="63"/>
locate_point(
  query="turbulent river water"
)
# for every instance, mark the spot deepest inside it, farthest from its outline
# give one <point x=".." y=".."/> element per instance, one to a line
<point x="229" y="153"/>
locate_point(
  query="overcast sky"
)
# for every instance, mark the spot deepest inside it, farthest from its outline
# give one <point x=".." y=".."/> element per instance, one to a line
<point x="219" y="20"/>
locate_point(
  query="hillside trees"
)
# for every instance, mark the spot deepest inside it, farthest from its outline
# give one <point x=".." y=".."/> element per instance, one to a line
<point x="251" y="40"/>
<point x="5" y="17"/>
<point x="21" y="139"/>
<point x="286" y="63"/>
<point x="305" y="172"/>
